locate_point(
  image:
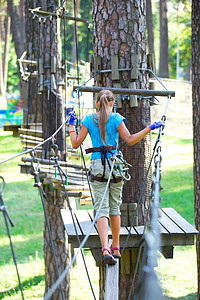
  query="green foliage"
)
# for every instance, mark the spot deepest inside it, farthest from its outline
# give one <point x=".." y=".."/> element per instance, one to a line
<point x="179" y="26"/>
<point x="13" y="75"/>
<point x="84" y="37"/>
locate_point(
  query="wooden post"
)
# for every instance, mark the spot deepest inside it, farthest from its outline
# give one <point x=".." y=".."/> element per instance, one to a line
<point x="112" y="282"/>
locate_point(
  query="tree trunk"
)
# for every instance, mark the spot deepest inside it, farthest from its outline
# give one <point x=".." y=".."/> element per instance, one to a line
<point x="150" y="29"/>
<point x="32" y="100"/>
<point x="44" y="46"/>
<point x="54" y="205"/>
<point x="22" y="20"/>
<point x="196" y="125"/>
<point x="1" y="64"/>
<point x="53" y="107"/>
<point x="164" y="49"/>
<point x="75" y="29"/>
<point x="5" y="56"/>
<point x="119" y="29"/>
<point x="19" y="46"/>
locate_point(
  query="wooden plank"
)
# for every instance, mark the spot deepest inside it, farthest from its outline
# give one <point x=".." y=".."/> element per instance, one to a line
<point x="85" y="201"/>
<point x="37" y="133"/>
<point x="115" y="67"/>
<point x="14" y="128"/>
<point x="51" y="162"/>
<point x="133" y="241"/>
<point x="112" y="281"/>
<point x="68" y="223"/>
<point x="133" y="98"/>
<point x="85" y="222"/>
<point x="30" y="137"/>
<point x="180" y="221"/>
<point x="133" y="230"/>
<point x="168" y="224"/>
<point x="139" y="229"/>
<point x="171" y="234"/>
<point x="167" y="251"/>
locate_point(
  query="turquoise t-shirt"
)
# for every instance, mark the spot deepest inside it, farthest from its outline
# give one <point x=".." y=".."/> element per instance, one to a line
<point x="112" y="134"/>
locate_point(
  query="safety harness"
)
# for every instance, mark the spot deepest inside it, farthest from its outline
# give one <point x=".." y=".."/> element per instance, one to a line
<point x="104" y="150"/>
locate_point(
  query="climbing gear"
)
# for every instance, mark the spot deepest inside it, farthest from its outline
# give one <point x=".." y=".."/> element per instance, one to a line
<point x="112" y="251"/>
<point x="108" y="259"/>
<point x="96" y="178"/>
<point x="121" y="165"/>
<point x="99" y="149"/>
<point x="104" y="158"/>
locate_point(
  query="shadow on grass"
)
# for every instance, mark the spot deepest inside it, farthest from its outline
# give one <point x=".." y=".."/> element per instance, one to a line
<point x="187" y="297"/>
<point x="25" y="286"/>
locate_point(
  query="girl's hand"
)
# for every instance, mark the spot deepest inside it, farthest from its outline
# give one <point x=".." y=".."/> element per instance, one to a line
<point x="72" y="120"/>
<point x="157" y="125"/>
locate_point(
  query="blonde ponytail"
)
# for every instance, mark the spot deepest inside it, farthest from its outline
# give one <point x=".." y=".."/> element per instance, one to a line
<point x="105" y="97"/>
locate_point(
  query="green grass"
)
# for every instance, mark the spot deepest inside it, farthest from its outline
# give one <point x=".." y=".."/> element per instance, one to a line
<point x="177" y="276"/>
<point x="177" y="176"/>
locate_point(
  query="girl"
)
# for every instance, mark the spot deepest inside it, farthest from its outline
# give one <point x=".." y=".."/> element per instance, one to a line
<point x="104" y="128"/>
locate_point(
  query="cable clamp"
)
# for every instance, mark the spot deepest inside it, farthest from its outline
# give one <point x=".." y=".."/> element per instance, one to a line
<point x="3" y="208"/>
<point x="37" y="184"/>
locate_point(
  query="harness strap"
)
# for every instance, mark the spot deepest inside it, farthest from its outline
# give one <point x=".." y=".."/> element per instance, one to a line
<point x="99" y="149"/>
<point x="103" y="150"/>
<point x="96" y="178"/>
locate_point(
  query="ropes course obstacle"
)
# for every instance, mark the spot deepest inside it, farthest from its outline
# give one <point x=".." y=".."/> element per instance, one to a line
<point x="81" y="227"/>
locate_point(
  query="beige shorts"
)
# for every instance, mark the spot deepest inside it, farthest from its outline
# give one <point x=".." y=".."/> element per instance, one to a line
<point x="113" y="197"/>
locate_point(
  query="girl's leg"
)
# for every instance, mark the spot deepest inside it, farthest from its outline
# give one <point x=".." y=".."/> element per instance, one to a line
<point x="115" y="201"/>
<point x="102" y="225"/>
<point x="115" y="222"/>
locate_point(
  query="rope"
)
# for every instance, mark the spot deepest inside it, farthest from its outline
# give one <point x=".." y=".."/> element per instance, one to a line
<point x="61" y="172"/>
<point x="6" y="215"/>
<point x="153" y="236"/>
<point x="65" y="272"/>
<point x="38" y="145"/>
<point x="42" y="195"/>
<point x="140" y="198"/>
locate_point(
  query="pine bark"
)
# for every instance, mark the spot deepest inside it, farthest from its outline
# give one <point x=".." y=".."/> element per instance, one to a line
<point x="16" y="35"/>
<point x="5" y="55"/>
<point x="31" y="98"/>
<point x="119" y="29"/>
<point x="44" y="46"/>
<point x="4" y="40"/>
<point x="150" y="29"/>
<point x="164" y="48"/>
<point x="196" y="122"/>
<point x="54" y="205"/>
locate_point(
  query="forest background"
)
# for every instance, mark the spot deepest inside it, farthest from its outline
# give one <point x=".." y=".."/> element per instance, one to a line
<point x="179" y="38"/>
<point x="179" y="44"/>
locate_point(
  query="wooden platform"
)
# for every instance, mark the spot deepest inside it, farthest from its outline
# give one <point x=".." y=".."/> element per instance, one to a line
<point x="13" y="128"/>
<point x="174" y="229"/>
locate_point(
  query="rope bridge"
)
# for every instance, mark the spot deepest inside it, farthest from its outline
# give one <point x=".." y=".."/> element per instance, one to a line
<point x="81" y="226"/>
<point x="82" y="231"/>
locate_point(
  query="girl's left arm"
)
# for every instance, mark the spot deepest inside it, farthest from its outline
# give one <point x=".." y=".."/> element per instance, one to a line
<point x="132" y="139"/>
<point x="77" y="140"/>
